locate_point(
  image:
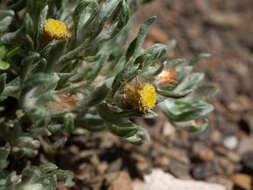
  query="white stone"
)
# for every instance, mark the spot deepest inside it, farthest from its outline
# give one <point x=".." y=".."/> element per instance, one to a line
<point x="159" y="180"/>
<point x="231" y="142"/>
<point x="168" y="129"/>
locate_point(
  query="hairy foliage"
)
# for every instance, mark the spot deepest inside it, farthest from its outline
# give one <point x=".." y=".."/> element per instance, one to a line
<point x="85" y="79"/>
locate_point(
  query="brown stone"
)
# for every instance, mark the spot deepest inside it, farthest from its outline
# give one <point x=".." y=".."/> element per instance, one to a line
<point x="202" y="151"/>
<point x="162" y="161"/>
<point x="242" y="180"/>
<point x="102" y="167"/>
<point x="206" y="155"/>
<point x="122" y="182"/>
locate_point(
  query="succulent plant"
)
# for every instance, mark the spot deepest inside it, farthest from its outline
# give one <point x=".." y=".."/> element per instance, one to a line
<point x="67" y="65"/>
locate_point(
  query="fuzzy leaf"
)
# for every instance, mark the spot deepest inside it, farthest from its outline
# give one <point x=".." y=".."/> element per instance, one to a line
<point x="185" y="111"/>
<point x="3" y="78"/>
<point x="104" y="14"/>
<point x="55" y="52"/>
<point x="136" y="44"/>
<point x="12" y="37"/>
<point x="118" y="125"/>
<point x="6" y="17"/>
<point x="83" y="15"/>
<point x="192" y="126"/>
<point x="91" y="122"/>
<point x="198" y="57"/>
<point x="3" y="51"/>
<point x="29" y="25"/>
<point x="190" y="83"/>
<point x="3" y="159"/>
<point x="68" y="122"/>
<point x="124" y="76"/>
<point x="96" y="97"/>
<point x="41" y="21"/>
<point x="4" y="65"/>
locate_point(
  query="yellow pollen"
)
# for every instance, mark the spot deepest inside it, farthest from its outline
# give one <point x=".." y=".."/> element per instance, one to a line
<point x="147" y="97"/>
<point x="55" y="30"/>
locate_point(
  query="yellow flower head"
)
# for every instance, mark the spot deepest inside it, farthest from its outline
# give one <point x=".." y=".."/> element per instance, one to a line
<point x="147" y="96"/>
<point x="55" y="30"/>
<point x="141" y="97"/>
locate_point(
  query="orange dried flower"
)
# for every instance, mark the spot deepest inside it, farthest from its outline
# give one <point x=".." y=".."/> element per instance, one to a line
<point x="168" y="76"/>
<point x="66" y="102"/>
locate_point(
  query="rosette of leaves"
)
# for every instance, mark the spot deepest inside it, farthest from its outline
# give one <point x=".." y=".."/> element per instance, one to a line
<point x="57" y="85"/>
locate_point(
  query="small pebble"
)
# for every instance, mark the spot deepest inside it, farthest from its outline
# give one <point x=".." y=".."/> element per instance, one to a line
<point x="231" y="142"/>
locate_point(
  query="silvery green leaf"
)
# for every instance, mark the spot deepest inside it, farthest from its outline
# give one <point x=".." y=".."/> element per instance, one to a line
<point x="198" y="57"/>
<point x="3" y="51"/>
<point x="35" y="132"/>
<point x="29" y="25"/>
<point x="136" y="113"/>
<point x="90" y="72"/>
<point x="12" y="88"/>
<point x="189" y="83"/>
<point x="158" y="71"/>
<point x="104" y="14"/>
<point x="4" y="65"/>
<point x="74" y="53"/>
<point x="140" y="136"/>
<point x="27" y="65"/>
<point x="3" y="78"/>
<point x="41" y="20"/>
<point x="12" y="52"/>
<point x="47" y="97"/>
<point x="30" y="42"/>
<point x="192" y="126"/>
<point x="185" y="111"/>
<point x="68" y="122"/>
<point x="118" y="125"/>
<point x="123" y="131"/>
<point x="39" y="79"/>
<point x="54" y="128"/>
<point x="91" y="122"/>
<point x="96" y="97"/>
<point x="6" y="17"/>
<point x="124" y="76"/>
<point x="55" y="52"/>
<point x="3" y="159"/>
<point x="156" y="51"/>
<point x="136" y="44"/>
<point x="96" y="68"/>
<point x="66" y="176"/>
<point x="27" y="142"/>
<point x="174" y="62"/>
<point x="83" y="15"/>
<point x="119" y="20"/>
<point x="12" y="37"/>
<point x="203" y="92"/>
<point x="173" y="94"/>
<point x="48" y="167"/>
<point x="124" y="15"/>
